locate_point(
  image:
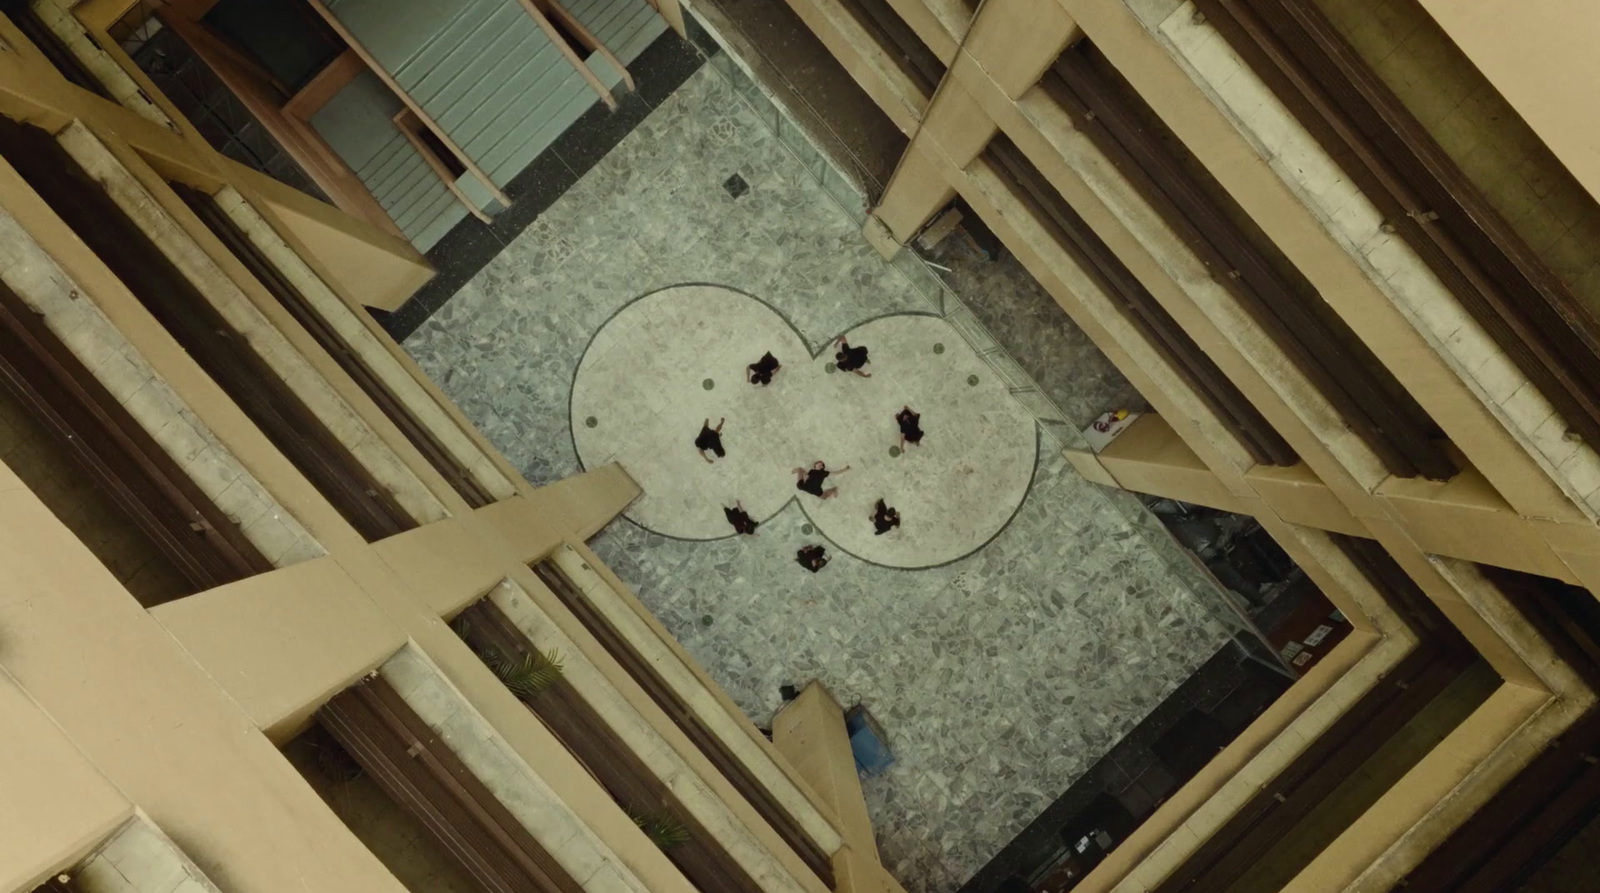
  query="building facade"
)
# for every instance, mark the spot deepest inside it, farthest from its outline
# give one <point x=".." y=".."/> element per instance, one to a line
<point x="278" y="617"/>
<point x="1345" y="252"/>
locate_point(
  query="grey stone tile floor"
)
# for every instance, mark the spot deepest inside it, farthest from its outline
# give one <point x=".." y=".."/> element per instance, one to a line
<point x="1036" y="332"/>
<point x="998" y="678"/>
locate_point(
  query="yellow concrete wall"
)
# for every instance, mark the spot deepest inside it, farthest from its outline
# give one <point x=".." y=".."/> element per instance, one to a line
<point x="179" y="710"/>
<point x="1540" y="56"/>
<point x="1504" y="508"/>
<point x="57" y="806"/>
<point x="283" y="643"/>
<point x="150" y="719"/>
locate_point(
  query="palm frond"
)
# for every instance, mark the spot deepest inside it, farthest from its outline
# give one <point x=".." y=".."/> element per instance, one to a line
<point x="527" y="676"/>
<point x="663" y="827"/>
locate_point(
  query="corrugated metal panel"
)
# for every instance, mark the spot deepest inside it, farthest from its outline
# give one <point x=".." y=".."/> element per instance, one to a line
<point x="640" y="31"/>
<point x="487" y="74"/>
<point x="358" y="124"/>
<point x="626" y="26"/>
<point x="518" y="148"/>
<point x="430" y="235"/>
<point x="466" y="94"/>
<point x="514" y="99"/>
<point x="510" y="144"/>
<point x="396" y="165"/>
<point x="470" y="64"/>
<point x="412" y="196"/>
<point x="474" y="24"/>
<point x="496" y="45"/>
<point x="419" y="772"/>
<point x="438" y="210"/>
<point x="426" y="209"/>
<point x="394" y="32"/>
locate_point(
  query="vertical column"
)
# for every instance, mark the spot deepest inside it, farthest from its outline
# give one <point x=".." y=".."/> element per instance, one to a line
<point x="955" y="132"/>
<point x="1016" y="40"/>
<point x="918" y="189"/>
<point x="959" y="126"/>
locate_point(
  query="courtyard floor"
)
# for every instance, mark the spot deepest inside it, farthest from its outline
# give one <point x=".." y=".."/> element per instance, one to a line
<point x="1005" y="637"/>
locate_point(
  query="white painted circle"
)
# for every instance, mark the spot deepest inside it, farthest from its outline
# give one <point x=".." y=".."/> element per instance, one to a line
<point x="642" y="378"/>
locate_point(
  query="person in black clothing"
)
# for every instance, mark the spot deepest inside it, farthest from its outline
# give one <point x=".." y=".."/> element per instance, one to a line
<point x="709" y="440"/>
<point x="740" y="519"/>
<point x="812" y="558"/>
<point x="851" y="359"/>
<point x="884" y="519"/>
<point x="910" y="429"/>
<point x="810" y="479"/>
<point x="761" y="371"/>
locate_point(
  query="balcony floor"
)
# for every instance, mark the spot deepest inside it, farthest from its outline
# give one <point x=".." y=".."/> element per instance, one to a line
<point x="1000" y="677"/>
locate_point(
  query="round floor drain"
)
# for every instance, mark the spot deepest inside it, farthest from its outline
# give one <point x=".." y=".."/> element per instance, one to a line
<point x="590" y="422"/>
<point x="938" y="347"/>
<point x="708" y="384"/>
<point x="705" y="620"/>
<point x="972" y="380"/>
<point x="807" y="529"/>
<point x="894" y="452"/>
<point x="830" y="368"/>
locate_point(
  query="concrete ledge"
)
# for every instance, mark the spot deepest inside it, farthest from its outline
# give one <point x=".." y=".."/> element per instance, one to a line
<point x="102" y="163"/>
<point x="1395" y="269"/>
<point x="1262" y="750"/>
<point x="868" y="63"/>
<point x="370" y="265"/>
<point x="139" y="858"/>
<point x="810" y="732"/>
<point x="1093" y="309"/>
<point x="1454" y="780"/>
<point x="878" y="236"/>
<point x="625" y="722"/>
<point x="1469" y="767"/>
<point x="1149" y="457"/>
<point x="955" y="15"/>
<point x="83" y="326"/>
<point x="283" y="643"/>
<point x="930" y="29"/>
<point x="1300" y="497"/>
<point x="343" y="320"/>
<point x="1088" y="467"/>
<point x="712" y="705"/>
<point x="495" y="762"/>
<point x="1199" y="293"/>
<point x="1015" y="41"/>
<point x="57" y="806"/>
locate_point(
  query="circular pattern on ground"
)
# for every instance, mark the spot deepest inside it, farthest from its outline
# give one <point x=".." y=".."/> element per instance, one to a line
<point x="954" y="491"/>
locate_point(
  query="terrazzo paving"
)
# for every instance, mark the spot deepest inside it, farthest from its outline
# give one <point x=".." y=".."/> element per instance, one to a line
<point x="1028" y="322"/>
<point x="999" y="677"/>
